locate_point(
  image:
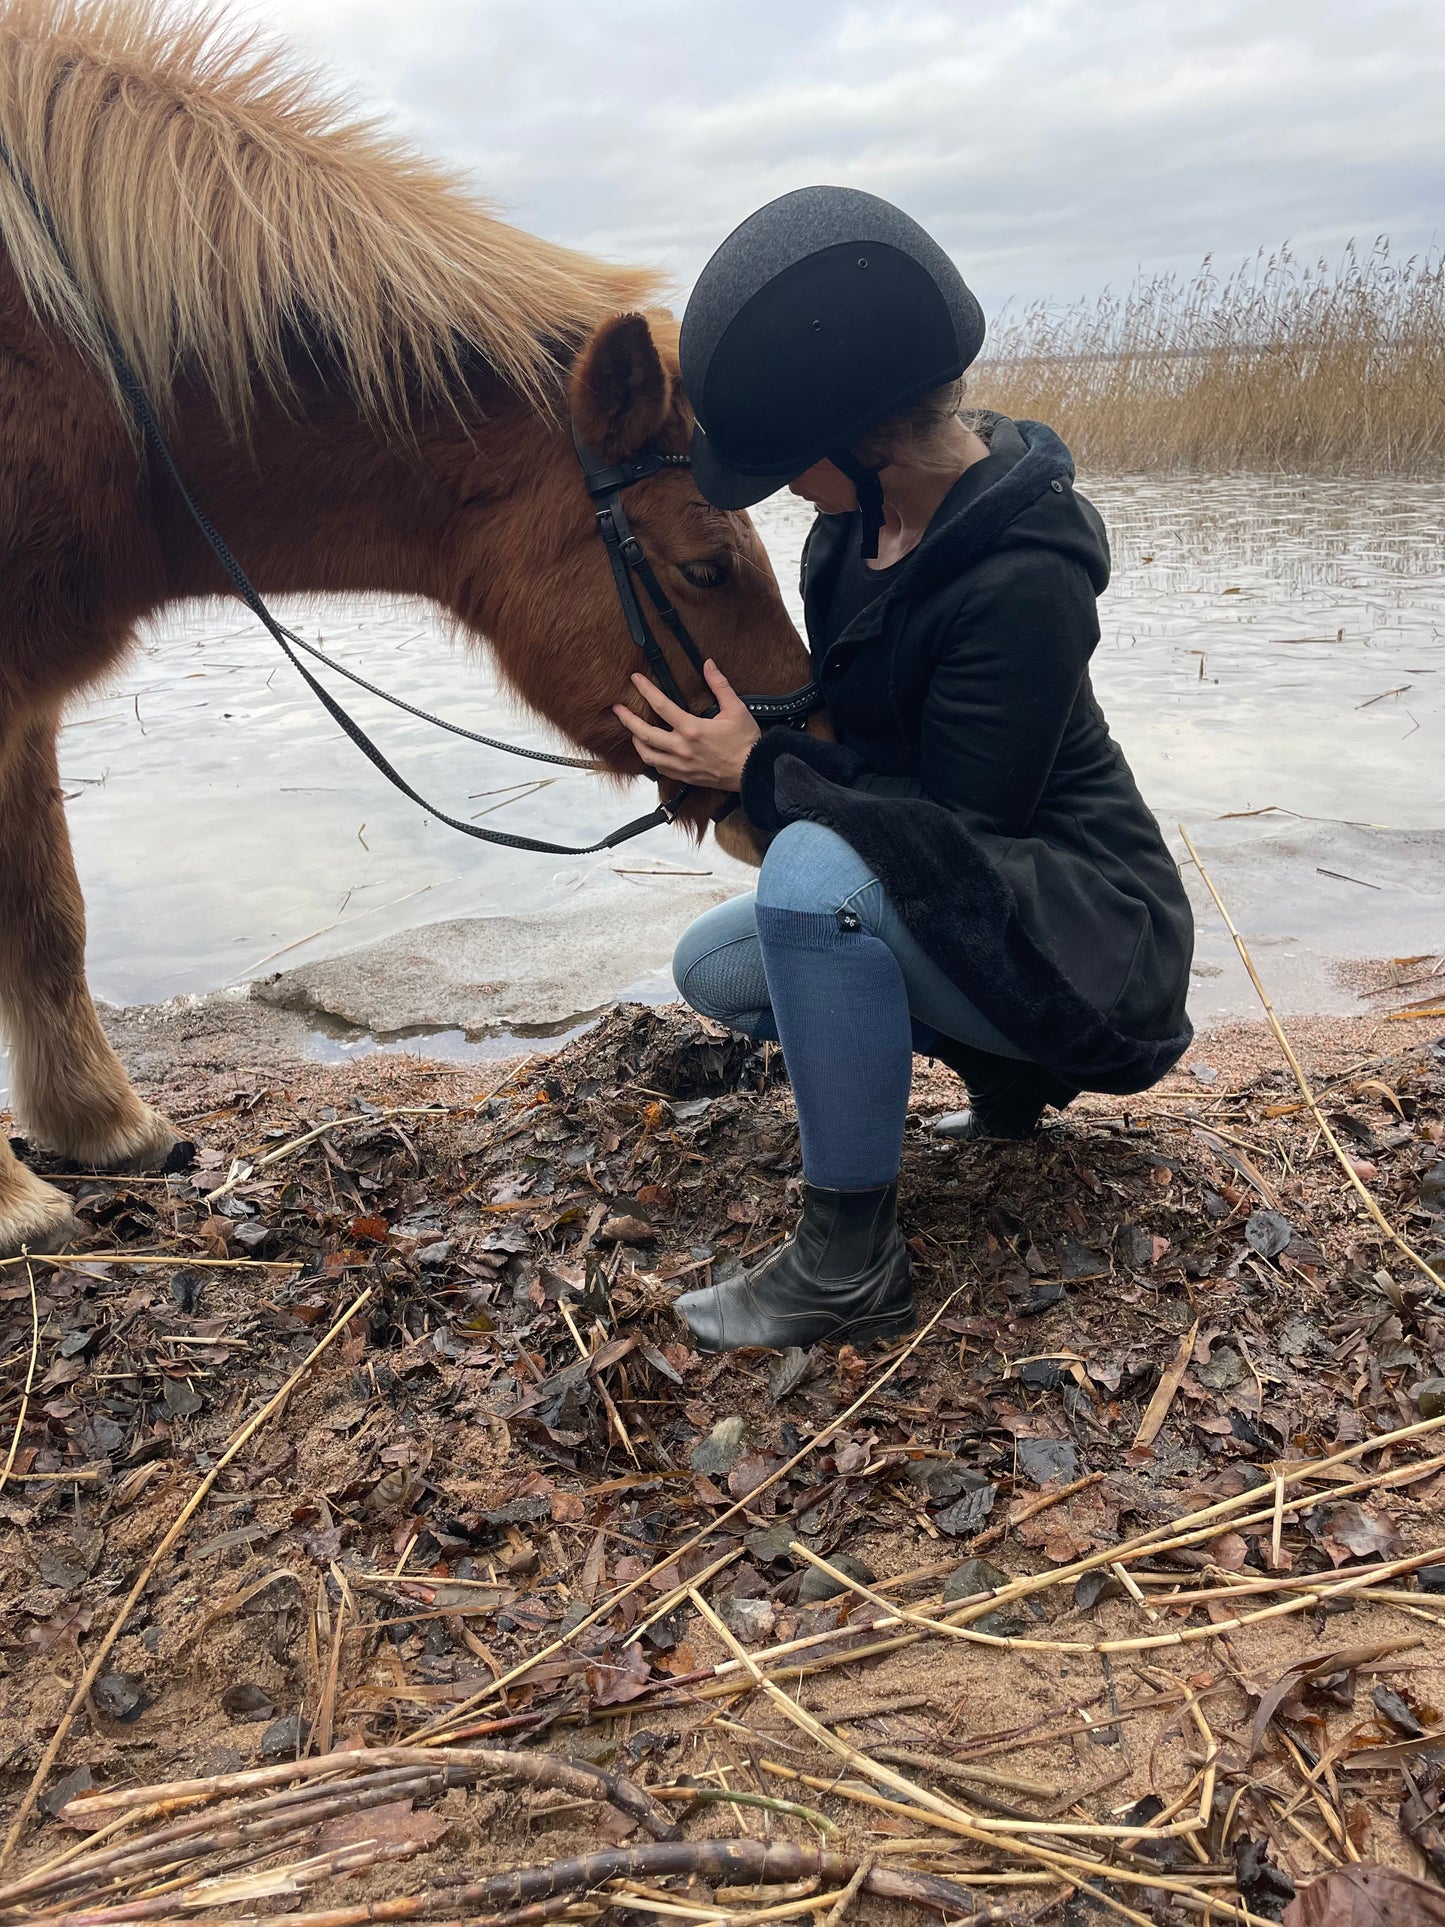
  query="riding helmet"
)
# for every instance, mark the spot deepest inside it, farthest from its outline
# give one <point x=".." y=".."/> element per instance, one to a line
<point x="823" y="314"/>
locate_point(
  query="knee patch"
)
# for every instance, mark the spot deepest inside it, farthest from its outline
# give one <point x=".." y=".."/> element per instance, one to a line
<point x="811" y="869"/>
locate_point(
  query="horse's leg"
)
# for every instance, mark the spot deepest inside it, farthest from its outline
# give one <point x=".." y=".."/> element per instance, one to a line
<point x="68" y="1089"/>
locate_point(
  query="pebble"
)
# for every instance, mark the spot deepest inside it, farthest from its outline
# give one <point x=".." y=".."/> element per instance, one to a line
<point x="749" y="1619"/>
<point x="822" y="1585"/>
<point x="285" y="1739"/>
<point x="718" y="1452"/>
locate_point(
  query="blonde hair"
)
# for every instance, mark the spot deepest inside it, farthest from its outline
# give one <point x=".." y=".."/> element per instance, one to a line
<point x="917" y="436"/>
<point x="217" y="204"/>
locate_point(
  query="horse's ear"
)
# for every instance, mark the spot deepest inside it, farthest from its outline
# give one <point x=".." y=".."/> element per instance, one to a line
<point x="621" y="392"/>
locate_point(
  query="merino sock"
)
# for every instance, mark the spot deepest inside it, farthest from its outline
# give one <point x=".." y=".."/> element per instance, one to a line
<point x="842" y="1014"/>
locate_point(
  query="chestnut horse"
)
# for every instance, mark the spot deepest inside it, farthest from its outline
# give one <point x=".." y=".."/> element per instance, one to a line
<point x="367" y="381"/>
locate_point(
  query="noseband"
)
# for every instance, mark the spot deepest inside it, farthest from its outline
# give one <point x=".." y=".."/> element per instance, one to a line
<point x="605" y="483"/>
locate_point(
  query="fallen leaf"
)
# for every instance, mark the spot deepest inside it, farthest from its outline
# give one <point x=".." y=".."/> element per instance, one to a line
<point x="1366" y="1897"/>
<point x="1166" y="1391"/>
<point x="750" y="1470"/>
<point x="1229" y="1551"/>
<point x="1040" y="1460"/>
<point x="967" y="1514"/>
<point x="1268" y="1233"/>
<point x="1345" y="1659"/>
<point x="1347" y="1531"/>
<point x="614" y="1685"/>
<point x="394" y="1825"/>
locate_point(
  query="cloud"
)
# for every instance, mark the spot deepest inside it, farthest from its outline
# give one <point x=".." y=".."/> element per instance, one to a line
<point x="1053" y="146"/>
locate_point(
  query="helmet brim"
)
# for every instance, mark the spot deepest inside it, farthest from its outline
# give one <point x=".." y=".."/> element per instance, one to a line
<point x="733" y="488"/>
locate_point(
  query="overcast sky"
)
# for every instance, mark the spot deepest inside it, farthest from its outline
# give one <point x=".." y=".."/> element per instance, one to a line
<point x="1053" y="146"/>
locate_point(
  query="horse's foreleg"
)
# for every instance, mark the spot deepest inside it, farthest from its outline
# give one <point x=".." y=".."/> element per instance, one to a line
<point x="69" y="1091"/>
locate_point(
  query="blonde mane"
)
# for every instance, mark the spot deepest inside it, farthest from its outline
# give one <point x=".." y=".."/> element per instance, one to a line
<point x="217" y="205"/>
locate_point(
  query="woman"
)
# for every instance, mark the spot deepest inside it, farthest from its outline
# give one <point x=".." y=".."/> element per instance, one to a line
<point x="968" y="870"/>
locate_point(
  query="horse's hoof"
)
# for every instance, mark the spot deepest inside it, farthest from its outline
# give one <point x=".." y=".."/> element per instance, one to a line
<point x="34" y="1216"/>
<point x="145" y="1142"/>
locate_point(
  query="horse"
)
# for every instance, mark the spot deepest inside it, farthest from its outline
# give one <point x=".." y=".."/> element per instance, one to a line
<point x="369" y="381"/>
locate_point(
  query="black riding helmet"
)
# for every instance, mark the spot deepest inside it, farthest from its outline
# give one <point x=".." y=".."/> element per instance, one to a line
<point x="824" y="313"/>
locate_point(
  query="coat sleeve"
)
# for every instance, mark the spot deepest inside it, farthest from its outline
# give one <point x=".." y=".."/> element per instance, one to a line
<point x="1007" y="674"/>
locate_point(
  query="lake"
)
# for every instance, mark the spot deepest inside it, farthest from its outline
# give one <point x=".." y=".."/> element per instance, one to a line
<point x="1269" y="644"/>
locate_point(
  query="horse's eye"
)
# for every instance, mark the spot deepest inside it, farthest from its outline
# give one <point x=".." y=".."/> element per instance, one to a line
<point x="704" y="575"/>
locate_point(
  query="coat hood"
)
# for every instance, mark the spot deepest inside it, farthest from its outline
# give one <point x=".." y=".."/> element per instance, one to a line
<point x="1020" y="496"/>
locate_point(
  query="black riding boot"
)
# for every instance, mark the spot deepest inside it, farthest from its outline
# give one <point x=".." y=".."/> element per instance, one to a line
<point x="842" y="1274"/>
<point x="1007" y="1097"/>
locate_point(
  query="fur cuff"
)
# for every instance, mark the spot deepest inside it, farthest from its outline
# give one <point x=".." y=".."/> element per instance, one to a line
<point x="830" y="760"/>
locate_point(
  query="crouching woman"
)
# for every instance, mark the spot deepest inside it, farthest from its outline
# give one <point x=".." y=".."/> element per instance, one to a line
<point x="968" y="869"/>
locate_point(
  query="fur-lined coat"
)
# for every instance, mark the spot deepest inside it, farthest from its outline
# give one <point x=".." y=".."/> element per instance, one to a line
<point x="974" y="772"/>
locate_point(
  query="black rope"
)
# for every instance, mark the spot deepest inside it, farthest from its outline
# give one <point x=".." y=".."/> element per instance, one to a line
<point x="140" y="404"/>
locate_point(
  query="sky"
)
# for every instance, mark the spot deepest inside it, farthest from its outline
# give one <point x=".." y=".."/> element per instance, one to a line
<point x="1054" y="147"/>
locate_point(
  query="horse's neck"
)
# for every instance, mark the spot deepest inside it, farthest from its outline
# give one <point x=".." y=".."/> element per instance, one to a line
<point x="321" y="504"/>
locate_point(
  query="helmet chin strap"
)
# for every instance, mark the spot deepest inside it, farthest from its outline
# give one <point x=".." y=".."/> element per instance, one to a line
<point x="870" y="497"/>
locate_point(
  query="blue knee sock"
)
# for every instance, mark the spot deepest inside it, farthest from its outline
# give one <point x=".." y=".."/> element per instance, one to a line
<point x="842" y="1015"/>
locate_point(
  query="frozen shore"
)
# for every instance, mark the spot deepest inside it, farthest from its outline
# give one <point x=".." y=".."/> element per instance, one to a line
<point x="1317" y="903"/>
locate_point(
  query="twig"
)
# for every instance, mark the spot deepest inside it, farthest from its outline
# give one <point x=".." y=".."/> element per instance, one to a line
<point x="327" y="1710"/>
<point x="176" y="1259"/>
<point x="1304" y="1084"/>
<point x="839" y="1910"/>
<point x="538" y="1769"/>
<point x="29" y="1380"/>
<point x="556" y="1886"/>
<point x="188" y="1510"/>
<point x="86" y="1475"/>
<point x="737" y="1796"/>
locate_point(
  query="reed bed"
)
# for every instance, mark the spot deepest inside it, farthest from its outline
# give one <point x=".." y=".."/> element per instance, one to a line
<point x="1282" y="365"/>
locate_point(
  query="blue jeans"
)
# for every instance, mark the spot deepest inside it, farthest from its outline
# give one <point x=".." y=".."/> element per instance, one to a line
<point x="718" y="964"/>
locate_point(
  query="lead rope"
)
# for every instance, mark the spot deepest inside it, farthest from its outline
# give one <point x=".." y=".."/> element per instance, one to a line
<point x="663" y="813"/>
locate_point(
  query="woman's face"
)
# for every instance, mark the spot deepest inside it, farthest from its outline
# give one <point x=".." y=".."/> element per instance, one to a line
<point x="827" y="488"/>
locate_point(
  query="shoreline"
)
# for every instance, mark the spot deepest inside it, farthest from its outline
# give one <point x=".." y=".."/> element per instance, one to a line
<point x="177" y="1053"/>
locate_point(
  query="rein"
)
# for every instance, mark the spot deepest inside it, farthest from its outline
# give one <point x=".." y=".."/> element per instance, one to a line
<point x="605" y="483"/>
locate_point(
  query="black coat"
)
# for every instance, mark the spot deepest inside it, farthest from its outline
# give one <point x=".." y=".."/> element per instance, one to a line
<point x="974" y="772"/>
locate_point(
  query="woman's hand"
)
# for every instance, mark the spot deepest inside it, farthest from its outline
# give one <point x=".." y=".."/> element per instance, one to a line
<point x="706" y="751"/>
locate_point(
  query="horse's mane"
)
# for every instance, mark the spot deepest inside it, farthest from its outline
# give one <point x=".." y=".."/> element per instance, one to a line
<point x="217" y="205"/>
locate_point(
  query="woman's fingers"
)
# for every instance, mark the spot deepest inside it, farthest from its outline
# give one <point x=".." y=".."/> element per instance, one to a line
<point x="717" y="682"/>
<point x="662" y="705"/>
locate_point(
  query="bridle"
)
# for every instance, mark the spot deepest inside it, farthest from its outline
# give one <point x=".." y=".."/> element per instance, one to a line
<point x="604" y="482"/>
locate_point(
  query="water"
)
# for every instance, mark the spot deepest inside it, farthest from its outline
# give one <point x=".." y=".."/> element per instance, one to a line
<point x="1266" y="644"/>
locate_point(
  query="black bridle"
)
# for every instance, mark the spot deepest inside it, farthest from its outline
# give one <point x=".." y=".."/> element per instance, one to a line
<point x="605" y="483"/>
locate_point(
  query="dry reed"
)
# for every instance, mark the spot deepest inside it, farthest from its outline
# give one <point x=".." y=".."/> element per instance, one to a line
<point x="1281" y="365"/>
